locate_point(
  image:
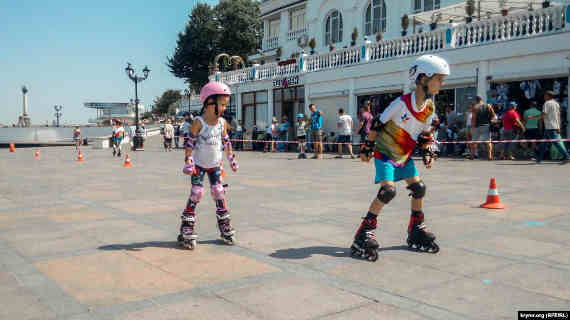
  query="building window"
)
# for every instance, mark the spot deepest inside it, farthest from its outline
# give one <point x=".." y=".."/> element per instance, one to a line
<point x="426" y="5"/>
<point x="274" y="28"/>
<point x="254" y="109"/>
<point x="333" y="29"/>
<point x="297" y="19"/>
<point x="375" y="19"/>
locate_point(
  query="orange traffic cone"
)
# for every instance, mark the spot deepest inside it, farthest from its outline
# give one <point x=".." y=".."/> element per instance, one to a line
<point x="12" y="147"/>
<point x="37" y="154"/>
<point x="127" y="163"/>
<point x="493" y="201"/>
<point x="80" y="157"/>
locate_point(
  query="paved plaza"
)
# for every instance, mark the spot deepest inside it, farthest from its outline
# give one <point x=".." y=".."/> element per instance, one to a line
<point x="94" y="240"/>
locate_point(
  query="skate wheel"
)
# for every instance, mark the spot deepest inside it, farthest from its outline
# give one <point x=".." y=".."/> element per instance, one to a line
<point x="434" y="248"/>
<point x="230" y="240"/>
<point x="190" y="244"/>
<point x="372" y="255"/>
<point x="354" y="251"/>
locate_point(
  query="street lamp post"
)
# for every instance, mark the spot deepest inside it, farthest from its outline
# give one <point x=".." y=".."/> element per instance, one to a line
<point x="137" y="139"/>
<point x="58" y="113"/>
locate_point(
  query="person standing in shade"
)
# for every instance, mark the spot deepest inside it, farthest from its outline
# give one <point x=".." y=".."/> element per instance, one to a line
<point x="551" y="116"/>
<point x="344" y="125"/>
<point x="531" y="123"/>
<point x="365" y="121"/>
<point x="317" y="130"/>
<point x="483" y="115"/>
<point x="511" y="125"/>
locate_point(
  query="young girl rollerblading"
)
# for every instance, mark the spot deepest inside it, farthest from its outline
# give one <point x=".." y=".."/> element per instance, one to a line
<point x="203" y="155"/>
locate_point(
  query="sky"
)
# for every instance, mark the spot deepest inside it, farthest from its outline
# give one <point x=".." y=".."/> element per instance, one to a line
<point x="71" y="52"/>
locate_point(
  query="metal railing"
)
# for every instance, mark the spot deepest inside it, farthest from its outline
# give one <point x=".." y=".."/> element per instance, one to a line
<point x="520" y="25"/>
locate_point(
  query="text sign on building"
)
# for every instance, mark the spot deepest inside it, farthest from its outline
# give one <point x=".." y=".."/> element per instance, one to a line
<point x="286" y="82"/>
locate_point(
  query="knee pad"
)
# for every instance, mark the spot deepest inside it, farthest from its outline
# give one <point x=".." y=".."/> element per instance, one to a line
<point x="196" y="193"/>
<point x="218" y="192"/>
<point x="386" y="193"/>
<point x="418" y="189"/>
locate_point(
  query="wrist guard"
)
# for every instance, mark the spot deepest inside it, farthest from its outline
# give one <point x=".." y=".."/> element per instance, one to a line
<point x="226" y="142"/>
<point x="191" y="142"/>
<point x="368" y="148"/>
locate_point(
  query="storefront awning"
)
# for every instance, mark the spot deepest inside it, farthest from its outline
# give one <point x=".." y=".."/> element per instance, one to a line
<point x="485" y="9"/>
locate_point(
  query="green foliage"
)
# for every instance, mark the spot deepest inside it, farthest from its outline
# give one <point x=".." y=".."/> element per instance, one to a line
<point x="230" y="27"/>
<point x="162" y="103"/>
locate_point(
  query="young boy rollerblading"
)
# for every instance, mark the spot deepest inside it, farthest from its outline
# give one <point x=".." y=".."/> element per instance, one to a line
<point x="405" y="124"/>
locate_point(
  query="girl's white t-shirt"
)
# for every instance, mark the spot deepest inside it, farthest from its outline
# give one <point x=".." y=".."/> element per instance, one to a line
<point x="208" y="151"/>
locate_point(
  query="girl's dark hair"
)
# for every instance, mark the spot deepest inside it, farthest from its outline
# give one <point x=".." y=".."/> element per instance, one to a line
<point x="215" y="97"/>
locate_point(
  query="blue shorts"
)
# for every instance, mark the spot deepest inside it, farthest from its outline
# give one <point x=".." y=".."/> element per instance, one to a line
<point x="387" y="171"/>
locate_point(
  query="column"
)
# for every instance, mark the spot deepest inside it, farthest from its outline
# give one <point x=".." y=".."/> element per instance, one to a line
<point x="283" y="32"/>
<point x="351" y="99"/>
<point x="482" y="83"/>
<point x="568" y="96"/>
<point x="269" y="113"/>
<point x="25" y="105"/>
<point x="407" y="84"/>
<point x="307" y="99"/>
<point x="239" y="114"/>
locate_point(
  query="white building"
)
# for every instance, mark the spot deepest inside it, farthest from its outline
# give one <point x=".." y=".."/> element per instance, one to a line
<point x="508" y="56"/>
<point x="114" y="110"/>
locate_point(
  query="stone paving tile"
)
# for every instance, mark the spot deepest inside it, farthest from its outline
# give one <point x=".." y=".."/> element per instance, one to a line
<point x="483" y="300"/>
<point x="452" y="260"/>
<point x="52" y="246"/>
<point x="512" y="246"/>
<point x="198" y="307"/>
<point x="205" y="265"/>
<point x="546" y="280"/>
<point x="394" y="276"/>
<point x="559" y="259"/>
<point x="19" y="303"/>
<point x="293" y="298"/>
<point x="377" y="310"/>
<point x="109" y="277"/>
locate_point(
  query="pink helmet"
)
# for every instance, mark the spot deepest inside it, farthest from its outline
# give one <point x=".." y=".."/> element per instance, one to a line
<point x="214" y="88"/>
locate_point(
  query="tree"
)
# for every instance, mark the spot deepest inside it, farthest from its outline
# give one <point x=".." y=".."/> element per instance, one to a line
<point x="162" y="103"/>
<point x="241" y="24"/>
<point x="231" y="27"/>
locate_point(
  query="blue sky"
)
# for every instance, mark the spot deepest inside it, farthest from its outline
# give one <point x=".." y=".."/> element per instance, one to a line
<point x="71" y="52"/>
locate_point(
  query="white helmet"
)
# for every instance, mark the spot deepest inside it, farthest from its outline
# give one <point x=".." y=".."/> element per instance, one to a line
<point x="429" y="65"/>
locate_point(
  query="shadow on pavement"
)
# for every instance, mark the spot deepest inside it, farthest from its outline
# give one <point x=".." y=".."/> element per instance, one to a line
<point x="154" y="244"/>
<point x="141" y="245"/>
<point x="303" y="253"/>
<point x="395" y="248"/>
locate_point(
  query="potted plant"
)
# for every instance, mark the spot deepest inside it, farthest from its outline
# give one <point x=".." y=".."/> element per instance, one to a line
<point x="545" y="4"/>
<point x="278" y="53"/>
<point x="469" y="10"/>
<point x="379" y="36"/>
<point x="354" y="36"/>
<point x="312" y="45"/>
<point x="435" y="17"/>
<point x="405" y="24"/>
<point x="502" y="5"/>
